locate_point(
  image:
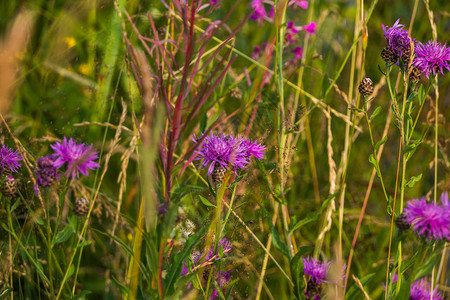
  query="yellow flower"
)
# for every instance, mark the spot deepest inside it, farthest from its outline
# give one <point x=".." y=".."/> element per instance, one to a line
<point x="70" y="41"/>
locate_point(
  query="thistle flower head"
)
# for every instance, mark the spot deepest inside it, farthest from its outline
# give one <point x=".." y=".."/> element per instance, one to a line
<point x="420" y="290"/>
<point x="79" y="157"/>
<point x="222" y="278"/>
<point x="227" y="149"/>
<point x="9" y="159"/>
<point x="397" y="38"/>
<point x="300" y="3"/>
<point x="432" y="57"/>
<point x="46" y="172"/>
<point x="310" y="28"/>
<point x="428" y="220"/>
<point x="316" y="269"/>
<point x="260" y="12"/>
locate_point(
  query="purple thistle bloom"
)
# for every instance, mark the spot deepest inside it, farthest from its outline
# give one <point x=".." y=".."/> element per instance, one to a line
<point x="79" y="158"/>
<point x="420" y="290"/>
<point x="432" y="57"/>
<point x="316" y="269"/>
<point x="9" y="159"/>
<point x="260" y="12"/>
<point x="227" y="149"/>
<point x="301" y="3"/>
<point x="46" y="172"/>
<point x="310" y="28"/>
<point x="223" y="278"/>
<point x="397" y="38"/>
<point x="428" y="219"/>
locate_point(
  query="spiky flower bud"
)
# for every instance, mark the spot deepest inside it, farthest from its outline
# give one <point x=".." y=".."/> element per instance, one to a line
<point x="401" y="222"/>
<point x="218" y="175"/>
<point x="415" y="74"/>
<point x="9" y="186"/>
<point x="81" y="207"/>
<point x="388" y="55"/>
<point x="366" y="87"/>
<point x="406" y="56"/>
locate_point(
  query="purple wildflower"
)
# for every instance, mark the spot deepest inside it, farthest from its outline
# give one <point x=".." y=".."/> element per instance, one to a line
<point x="227" y="149"/>
<point x="397" y="38"/>
<point x="301" y="3"/>
<point x="79" y="158"/>
<point x="260" y="12"/>
<point x="256" y="52"/>
<point x="428" y="219"/>
<point x="298" y="52"/>
<point x="223" y="278"/>
<point x="310" y="28"/>
<point x="432" y="57"/>
<point x="316" y="269"/>
<point x="9" y="159"/>
<point x="46" y="172"/>
<point x="420" y="290"/>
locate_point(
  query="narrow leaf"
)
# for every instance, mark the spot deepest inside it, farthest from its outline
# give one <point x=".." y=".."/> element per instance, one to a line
<point x="375" y="113"/>
<point x="63" y="235"/>
<point x="206" y="201"/>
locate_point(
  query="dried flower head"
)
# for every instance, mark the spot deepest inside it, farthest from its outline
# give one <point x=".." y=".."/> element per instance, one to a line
<point x="421" y="290"/>
<point x="397" y="38"/>
<point x="428" y="220"/>
<point x="9" y="159"/>
<point x="79" y="158"/>
<point x="432" y="57"/>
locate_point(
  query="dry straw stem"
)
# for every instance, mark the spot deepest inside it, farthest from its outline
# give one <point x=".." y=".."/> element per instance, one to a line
<point x="358" y="282"/>
<point x="12" y="49"/>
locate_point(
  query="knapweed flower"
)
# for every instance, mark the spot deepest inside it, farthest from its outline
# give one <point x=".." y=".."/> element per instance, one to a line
<point x="316" y="269"/>
<point x="298" y="52"/>
<point x="223" y="150"/>
<point x="428" y="220"/>
<point x="420" y="290"/>
<point x="260" y="12"/>
<point x="310" y="28"/>
<point x="300" y="3"/>
<point x="79" y="158"/>
<point x="222" y="278"/>
<point x="9" y="159"/>
<point x="432" y="57"/>
<point x="397" y="38"/>
<point x="46" y="172"/>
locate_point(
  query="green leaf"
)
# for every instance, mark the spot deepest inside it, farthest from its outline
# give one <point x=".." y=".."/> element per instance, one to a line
<point x="312" y="216"/>
<point x="297" y="270"/>
<point x="278" y="243"/>
<point x="124" y="290"/>
<point x="425" y="269"/>
<point x="174" y="271"/>
<point x="374" y="162"/>
<point x="39" y="221"/>
<point x="375" y="113"/>
<point x="411" y="97"/>
<point x="354" y="292"/>
<point x="203" y="121"/>
<point x="206" y="201"/>
<point x="379" y="143"/>
<point x="413" y="180"/>
<point x="63" y="235"/>
<point x="421" y="94"/>
<point x="84" y="244"/>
